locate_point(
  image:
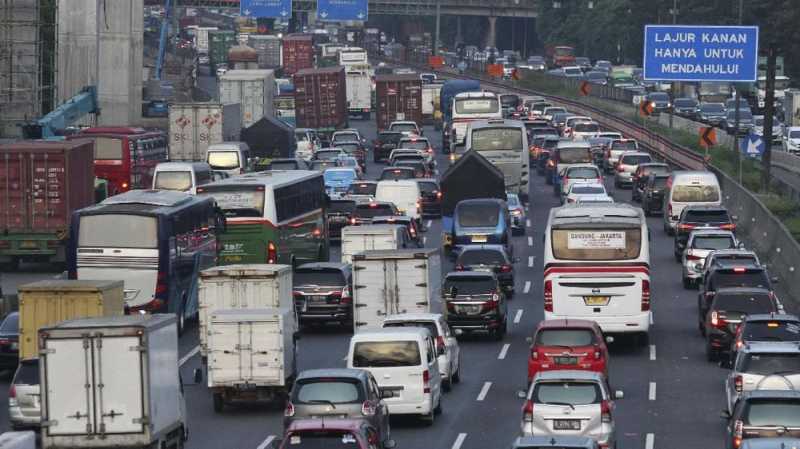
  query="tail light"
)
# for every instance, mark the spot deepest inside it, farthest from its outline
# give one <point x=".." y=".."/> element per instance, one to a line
<point x="426" y="381"/>
<point x="353" y="221"/>
<point x="439" y="195"/>
<point x="597" y="355"/>
<point x="506" y="268"/>
<point x="548" y="296"/>
<point x="450" y="306"/>
<point x="685" y="226"/>
<point x="534" y="354"/>
<point x="527" y="411"/>
<point x="550" y="163"/>
<point x="605" y="411"/>
<point x="645" y="296"/>
<point x="297" y="295"/>
<point x="738" y="383"/>
<point x="738" y="433"/>
<point x="440" y="346"/>
<point x="669" y="210"/>
<point x="368" y="409"/>
<point x="492" y="303"/>
<point x="162" y="287"/>
<point x="620" y="169"/>
<point x="690" y="256"/>
<point x="717" y="320"/>
<point x="345" y="297"/>
<point x="12" y="392"/>
<point x="289" y="410"/>
<point x="728" y="227"/>
<point x="272" y="253"/>
<point x="459" y="267"/>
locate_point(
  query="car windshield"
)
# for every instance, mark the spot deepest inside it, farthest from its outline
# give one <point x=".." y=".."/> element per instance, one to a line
<point x="337" y="391"/>
<point x="582" y="173"/>
<point x="772" y="412"/>
<point x="495" y="138"/>
<point x="634" y="159"/>
<point x="713" y="242"/>
<point x="430" y="325"/>
<point x="427" y="187"/>
<point x="10" y="324"/>
<point x="565" y="337"/>
<point x="403" y="127"/>
<point x="478" y="215"/>
<point x="712" y="107"/>
<point x="173" y="180"/>
<point x="373" y="210"/>
<point x="362" y="188"/>
<point x="588" y="189"/>
<point x="27" y="373"/>
<point x="765" y="363"/>
<point x="477" y="105"/>
<point x="481" y="257"/>
<point x="345" y="137"/>
<point x="685" y="103"/>
<point x="321" y="439"/>
<point x="318" y="276"/>
<point x="596" y="244"/>
<point x="659" y="97"/>
<point x="586" y="128"/>
<point x="386" y="353"/>
<point x="574" y="155"/>
<point x="721" y="279"/>
<point x="777" y="330"/>
<point x="567" y="392"/>
<point x="695" y="194"/>
<point x="348" y="148"/>
<point x="468" y="285"/>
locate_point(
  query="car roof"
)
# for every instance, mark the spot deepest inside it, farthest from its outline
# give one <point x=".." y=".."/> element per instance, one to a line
<point x="770" y="443"/>
<point x="566" y="323"/>
<point x="325" y="265"/>
<point x="489" y="246"/>
<point x="770" y="317"/>
<point x="572" y="144"/>
<point x="582" y="166"/>
<point x="413" y="317"/>
<point x="395" y="167"/>
<point x="691" y="207"/>
<point x="635" y="153"/>
<point x="569" y="375"/>
<point x="653" y="164"/>
<point x="698" y="232"/>
<point x="333" y="372"/>
<point x="742" y="290"/>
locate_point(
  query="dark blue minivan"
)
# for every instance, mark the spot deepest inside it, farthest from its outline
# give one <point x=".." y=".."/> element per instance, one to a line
<point x="481" y="221"/>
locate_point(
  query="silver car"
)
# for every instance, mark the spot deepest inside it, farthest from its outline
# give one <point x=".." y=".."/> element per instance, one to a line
<point x="627" y="165"/>
<point x="763" y="366"/>
<point x="24" y="405"/>
<point x="700" y="244"/>
<point x="571" y="403"/>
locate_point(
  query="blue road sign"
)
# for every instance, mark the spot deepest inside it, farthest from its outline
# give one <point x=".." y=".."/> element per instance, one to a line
<point x="341" y="10"/>
<point x="266" y="8"/>
<point x="700" y="53"/>
<point x="752" y="145"/>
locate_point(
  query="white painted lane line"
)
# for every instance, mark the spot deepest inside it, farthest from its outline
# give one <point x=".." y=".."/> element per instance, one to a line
<point x="188" y="356"/>
<point x="652" y="352"/>
<point x="503" y="351"/>
<point x="527" y="287"/>
<point x="266" y="442"/>
<point x="459" y="441"/>
<point x="528" y="223"/>
<point x="651" y="395"/>
<point x="530" y="261"/>
<point x="428" y="224"/>
<point x="530" y="241"/>
<point x="649" y="441"/>
<point x="518" y="316"/>
<point x="484" y="391"/>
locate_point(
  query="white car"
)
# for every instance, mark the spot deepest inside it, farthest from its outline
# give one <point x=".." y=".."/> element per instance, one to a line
<point x="447" y="348"/>
<point x="587" y="192"/>
<point x="701" y="242"/>
<point x="579" y="173"/>
<point x="791" y="139"/>
<point x="407" y="127"/>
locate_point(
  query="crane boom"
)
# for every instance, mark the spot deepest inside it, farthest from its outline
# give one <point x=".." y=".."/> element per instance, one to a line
<point x="47" y="127"/>
<point x="162" y="40"/>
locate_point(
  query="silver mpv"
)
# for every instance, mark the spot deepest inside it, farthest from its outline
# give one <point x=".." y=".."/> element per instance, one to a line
<point x="763" y="366"/>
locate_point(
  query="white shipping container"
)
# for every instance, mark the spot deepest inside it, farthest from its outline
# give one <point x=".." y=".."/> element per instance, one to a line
<point x="253" y="89"/>
<point x="359" y="93"/>
<point x="356" y="239"/>
<point x="201" y="38"/>
<point x="195" y="126"/>
<point x="392" y="282"/>
<point x="251" y="286"/>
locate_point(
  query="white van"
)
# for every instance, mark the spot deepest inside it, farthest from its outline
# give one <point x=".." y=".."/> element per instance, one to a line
<point x="356" y="239"/>
<point x="689" y="188"/>
<point x="232" y="158"/>
<point x="404" y="193"/>
<point x="182" y="176"/>
<point x="404" y="363"/>
<point x="307" y="143"/>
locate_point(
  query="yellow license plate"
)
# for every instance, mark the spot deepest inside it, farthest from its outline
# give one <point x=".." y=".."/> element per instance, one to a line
<point x="478" y="238"/>
<point x="596" y="300"/>
<point x="29" y="244"/>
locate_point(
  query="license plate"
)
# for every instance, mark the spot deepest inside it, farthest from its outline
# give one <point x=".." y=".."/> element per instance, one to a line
<point x="479" y="238"/>
<point x="566" y="424"/>
<point x="596" y="300"/>
<point x="566" y="360"/>
<point x="469" y="310"/>
<point x="318" y="299"/>
<point x="29" y="244"/>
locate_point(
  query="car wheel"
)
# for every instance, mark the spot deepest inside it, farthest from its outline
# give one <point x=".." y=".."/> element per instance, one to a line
<point x="712" y="355"/>
<point x="429" y="418"/>
<point x="688" y="284"/>
<point x="219" y="403"/>
<point x="182" y="316"/>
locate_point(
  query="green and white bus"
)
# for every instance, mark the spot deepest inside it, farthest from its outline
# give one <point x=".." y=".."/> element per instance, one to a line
<point x="273" y="216"/>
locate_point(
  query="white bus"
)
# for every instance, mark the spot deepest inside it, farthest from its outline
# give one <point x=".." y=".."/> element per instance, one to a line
<point x="597" y="267"/>
<point x="468" y="107"/>
<point x="504" y="143"/>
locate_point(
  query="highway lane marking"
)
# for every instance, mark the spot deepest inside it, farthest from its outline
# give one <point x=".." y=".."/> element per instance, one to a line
<point x="651" y="395"/>
<point x="266" y="442"/>
<point x="530" y="261"/>
<point x="530" y="241"/>
<point x="428" y="224"/>
<point x="484" y="391"/>
<point x="459" y="441"/>
<point x="649" y="441"/>
<point x="188" y="356"/>
<point x="503" y="351"/>
<point x="518" y="316"/>
<point x="424" y="240"/>
<point x="652" y="352"/>
<point x="527" y="223"/>
<point x="527" y="287"/>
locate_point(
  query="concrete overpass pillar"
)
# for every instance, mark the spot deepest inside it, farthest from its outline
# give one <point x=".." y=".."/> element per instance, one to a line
<point x="459" y="36"/>
<point x="491" y="36"/>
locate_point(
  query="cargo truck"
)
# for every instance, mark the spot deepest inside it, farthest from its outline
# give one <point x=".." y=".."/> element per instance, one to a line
<point x="41" y="184"/>
<point x="241" y="287"/>
<point x="252" y="89"/>
<point x="112" y="382"/>
<point x="431" y="107"/>
<point x="356" y="239"/>
<point x="298" y="53"/>
<point x="352" y="56"/>
<point x="397" y="97"/>
<point x="359" y="93"/>
<point x="252" y="355"/>
<point x="392" y="282"/>
<point x="195" y="126"/>
<point x="269" y="50"/>
<point x="450" y="89"/>
<point x="320" y="100"/>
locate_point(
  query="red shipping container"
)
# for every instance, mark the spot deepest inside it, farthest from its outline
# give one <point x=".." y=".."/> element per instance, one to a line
<point x="399" y="97"/>
<point x="298" y="53"/>
<point x="320" y="98"/>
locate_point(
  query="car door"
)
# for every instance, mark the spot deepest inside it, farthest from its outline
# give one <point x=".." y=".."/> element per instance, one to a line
<point x="435" y="374"/>
<point x="450" y="341"/>
<point x="382" y="409"/>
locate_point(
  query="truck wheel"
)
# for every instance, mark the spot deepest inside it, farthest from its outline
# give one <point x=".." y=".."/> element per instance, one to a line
<point x="219" y="403"/>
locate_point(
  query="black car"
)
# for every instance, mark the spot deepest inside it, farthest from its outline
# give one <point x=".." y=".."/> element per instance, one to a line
<point x="9" y="341"/>
<point x="718" y="323"/>
<point x="339" y="213"/>
<point x="384" y="144"/>
<point x="711" y="113"/>
<point x="365" y="212"/>
<point x="420" y="168"/>
<point x="639" y="177"/>
<point x="653" y="193"/>
<point x="394" y="173"/>
<point x="431" y="201"/>
<point x="685" y="107"/>
<point x="323" y="292"/>
<point x="474" y="301"/>
<point x="509" y="103"/>
<point x="414" y="232"/>
<point x="699" y="217"/>
<point x="489" y="258"/>
<point x="283" y="164"/>
<point x="732" y="273"/>
<point x="746" y="122"/>
<point x="659" y="101"/>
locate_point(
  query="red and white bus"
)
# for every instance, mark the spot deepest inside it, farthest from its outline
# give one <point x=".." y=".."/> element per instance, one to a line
<point x="126" y="157"/>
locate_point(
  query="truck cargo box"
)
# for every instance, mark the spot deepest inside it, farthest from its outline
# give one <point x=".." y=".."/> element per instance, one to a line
<point x="398" y="97"/>
<point x="252" y="89"/>
<point x="195" y="126"/>
<point x="356" y="239"/>
<point x="269" y="49"/>
<point x="320" y="98"/>
<point x="298" y="53"/>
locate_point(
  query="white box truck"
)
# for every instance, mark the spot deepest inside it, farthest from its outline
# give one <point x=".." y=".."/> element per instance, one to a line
<point x="359" y="93"/>
<point x="356" y="239"/>
<point x="195" y="126"/>
<point x="253" y="89"/>
<point x="112" y="382"/>
<point x="255" y="286"/>
<point x="392" y="282"/>
<point x="251" y="355"/>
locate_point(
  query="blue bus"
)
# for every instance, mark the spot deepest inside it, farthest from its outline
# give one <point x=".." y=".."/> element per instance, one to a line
<point x="156" y="241"/>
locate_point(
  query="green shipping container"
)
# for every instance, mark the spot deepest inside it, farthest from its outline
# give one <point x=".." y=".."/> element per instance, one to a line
<point x="219" y="42"/>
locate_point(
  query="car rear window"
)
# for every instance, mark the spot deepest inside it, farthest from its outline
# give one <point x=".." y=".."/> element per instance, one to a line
<point x="707" y="216"/>
<point x="345" y="137"/>
<point x="721" y="279"/>
<point x="469" y="285"/>
<point x="337" y="391"/>
<point x="10" y="324"/>
<point x="743" y="303"/>
<point x="771" y="331"/>
<point x="369" y="210"/>
<point x="403" y="127"/>
<point x="478" y="215"/>
<point x="27" y="373"/>
<point x="582" y="172"/>
<point x="324" y="277"/>
<point x="695" y="194"/>
<point x="386" y="354"/>
<point x="481" y="256"/>
<point x="321" y="439"/>
<point x="588" y="190"/>
<point x="770" y="363"/>
<point x="654" y="169"/>
<point x="565" y="337"/>
<point x="430" y="325"/>
<point x="567" y="392"/>
<point x="397" y="174"/>
<point x="634" y="159"/>
<point x="574" y="155"/>
<point x="414" y="144"/>
<point x="389" y="138"/>
<point x="713" y="242"/>
<point x="587" y="128"/>
<point x="348" y="148"/>
<point x="427" y="187"/>
<point x="772" y="412"/>
<point x="628" y="145"/>
<point x="341" y="207"/>
<point x="596" y="244"/>
<point x="362" y="188"/>
<point x="660" y="183"/>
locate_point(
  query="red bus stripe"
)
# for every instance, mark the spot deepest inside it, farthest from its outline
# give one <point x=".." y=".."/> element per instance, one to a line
<point x="605" y="269"/>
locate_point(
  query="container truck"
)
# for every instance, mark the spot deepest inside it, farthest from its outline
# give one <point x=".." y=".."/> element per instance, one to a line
<point x="298" y="53"/>
<point x="112" y="382"/>
<point x="320" y="100"/>
<point x="195" y="126"/>
<point x="241" y="287"/>
<point x="359" y="93"/>
<point x="251" y="355"/>
<point x="391" y="282"/>
<point x="41" y="184"/>
<point x="219" y="42"/>
<point x="356" y="239"/>
<point x="397" y="97"/>
<point x="269" y="50"/>
<point x="431" y="108"/>
<point x="252" y="89"/>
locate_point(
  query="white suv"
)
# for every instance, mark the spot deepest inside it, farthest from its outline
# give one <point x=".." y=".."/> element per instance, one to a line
<point x="24" y="405"/>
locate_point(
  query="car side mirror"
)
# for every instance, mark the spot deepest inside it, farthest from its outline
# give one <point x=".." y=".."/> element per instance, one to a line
<point x="389" y="444"/>
<point x="387" y="394"/>
<point x="726" y="415"/>
<point x="609" y="339"/>
<point x="619" y="394"/>
<point x="698" y="266"/>
<point x="522" y="394"/>
<point x="529" y="340"/>
<point x="198" y="375"/>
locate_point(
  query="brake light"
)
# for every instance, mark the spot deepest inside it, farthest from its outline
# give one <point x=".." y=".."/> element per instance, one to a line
<point x="506" y="268"/>
<point x="620" y="169"/>
<point x="685" y="226"/>
<point x="368" y="409"/>
<point x="272" y="253"/>
<point x="645" y="295"/>
<point x="739" y="270"/>
<point x="12" y="392"/>
<point x="459" y="267"/>
<point x="344" y="295"/>
<point x="728" y="227"/>
<point x="548" y="296"/>
<point x="534" y="353"/>
<point x="605" y="411"/>
<point x="450" y="306"/>
<point x="426" y="381"/>
<point x="439" y="195"/>
<point x="738" y="383"/>
<point x="669" y="210"/>
<point x="492" y="303"/>
<point x="692" y="257"/>
<point x="717" y="320"/>
<point x="527" y="411"/>
<point x="289" y="410"/>
<point x="738" y="433"/>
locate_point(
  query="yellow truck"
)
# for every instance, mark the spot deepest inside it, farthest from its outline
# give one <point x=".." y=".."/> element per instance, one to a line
<point x="46" y="303"/>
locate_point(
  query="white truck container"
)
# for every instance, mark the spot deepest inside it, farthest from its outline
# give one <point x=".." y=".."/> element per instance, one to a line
<point x="356" y="239"/>
<point x="195" y="126"/>
<point x="252" y="355"/>
<point x="251" y="286"/>
<point x="352" y="56"/>
<point x="359" y="93"/>
<point x="201" y="38"/>
<point x="392" y="282"/>
<point x="112" y="382"/>
<point x="430" y="100"/>
<point x="253" y="89"/>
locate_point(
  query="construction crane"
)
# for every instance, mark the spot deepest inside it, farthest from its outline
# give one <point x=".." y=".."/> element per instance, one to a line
<point x="52" y="125"/>
<point x="163" y="39"/>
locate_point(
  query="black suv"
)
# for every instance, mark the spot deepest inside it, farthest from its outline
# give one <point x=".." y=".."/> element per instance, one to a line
<point x="475" y="302"/>
<point x="339" y="213"/>
<point x="727" y="273"/>
<point x="323" y="292"/>
<point x="642" y="174"/>
<point x="699" y="217"/>
<point x="384" y="144"/>
<point x="431" y="200"/>
<point x="653" y="193"/>
<point x="489" y="258"/>
<point x="364" y="212"/>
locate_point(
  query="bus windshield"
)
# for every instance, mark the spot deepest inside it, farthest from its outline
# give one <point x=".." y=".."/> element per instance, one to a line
<point x="239" y="203"/>
<point x="595" y="244"/>
<point x="477" y="106"/>
<point x="488" y="139"/>
<point x="118" y="231"/>
<point x="173" y="180"/>
<point x="223" y="160"/>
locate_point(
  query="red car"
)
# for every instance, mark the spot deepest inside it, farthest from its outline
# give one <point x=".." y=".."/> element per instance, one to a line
<point x="568" y="345"/>
<point x="333" y="433"/>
